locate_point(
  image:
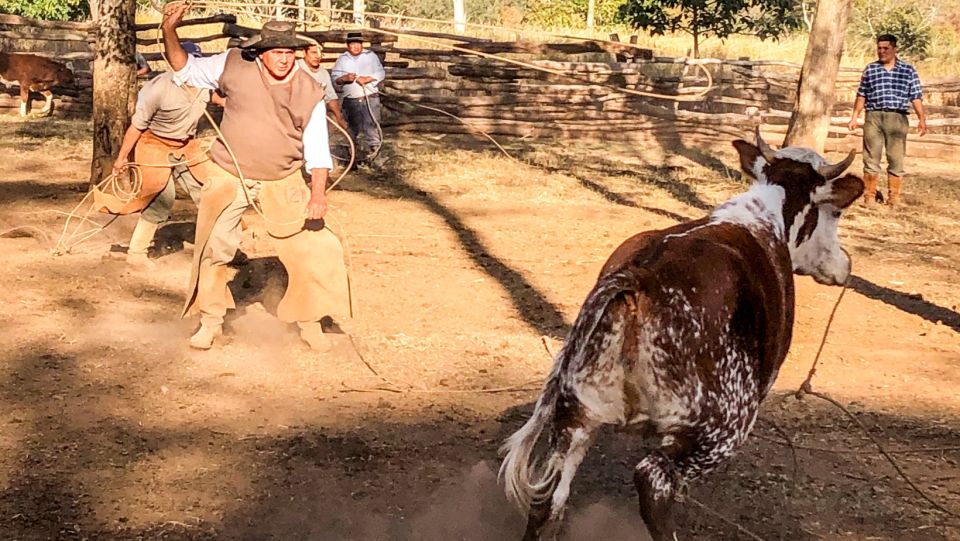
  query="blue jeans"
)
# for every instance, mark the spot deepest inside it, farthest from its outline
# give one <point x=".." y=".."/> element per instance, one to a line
<point x="360" y="122"/>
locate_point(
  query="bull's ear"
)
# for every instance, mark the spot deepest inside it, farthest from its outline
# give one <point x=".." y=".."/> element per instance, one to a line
<point x="844" y="191"/>
<point x="749" y="154"/>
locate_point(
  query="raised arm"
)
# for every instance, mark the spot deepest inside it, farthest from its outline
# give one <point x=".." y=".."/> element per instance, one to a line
<point x="195" y="71"/>
<point x="172" y="16"/>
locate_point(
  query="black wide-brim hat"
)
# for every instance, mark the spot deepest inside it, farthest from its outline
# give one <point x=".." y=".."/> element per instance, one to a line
<point x="354" y="37"/>
<point x="276" y="35"/>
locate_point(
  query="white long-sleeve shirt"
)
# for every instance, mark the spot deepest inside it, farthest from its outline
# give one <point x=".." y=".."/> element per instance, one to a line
<point x="205" y="72"/>
<point x="364" y="64"/>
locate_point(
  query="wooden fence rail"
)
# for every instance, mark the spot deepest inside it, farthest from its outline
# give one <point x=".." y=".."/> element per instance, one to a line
<point x="505" y="99"/>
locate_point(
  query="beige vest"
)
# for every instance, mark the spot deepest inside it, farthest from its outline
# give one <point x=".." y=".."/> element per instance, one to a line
<point x="263" y="123"/>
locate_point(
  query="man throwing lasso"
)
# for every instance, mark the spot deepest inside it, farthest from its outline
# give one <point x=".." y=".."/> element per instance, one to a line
<point x="274" y="126"/>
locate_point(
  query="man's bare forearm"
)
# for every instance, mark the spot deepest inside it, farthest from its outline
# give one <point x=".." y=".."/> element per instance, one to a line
<point x="318" y="182"/>
<point x="176" y="56"/>
<point x="918" y="107"/>
<point x="858" y="107"/>
<point x="130" y="139"/>
<point x="334" y="106"/>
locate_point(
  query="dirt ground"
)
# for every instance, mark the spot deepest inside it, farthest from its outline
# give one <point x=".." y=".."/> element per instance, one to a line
<point x="464" y="263"/>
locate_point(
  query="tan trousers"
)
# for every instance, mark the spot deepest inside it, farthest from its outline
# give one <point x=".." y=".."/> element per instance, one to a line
<point x="885" y="130"/>
<point x="313" y="257"/>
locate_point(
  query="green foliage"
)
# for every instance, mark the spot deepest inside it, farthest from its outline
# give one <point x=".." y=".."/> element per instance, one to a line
<point x="571" y="13"/>
<point x="478" y="11"/>
<point x="61" y="10"/>
<point x="432" y="9"/>
<point x="721" y="18"/>
<point x="909" y="20"/>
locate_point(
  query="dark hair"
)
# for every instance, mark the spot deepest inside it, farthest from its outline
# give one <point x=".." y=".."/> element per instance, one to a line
<point x="888" y="38"/>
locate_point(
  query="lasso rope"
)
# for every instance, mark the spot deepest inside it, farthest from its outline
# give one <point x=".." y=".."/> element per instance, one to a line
<point x="461" y="120"/>
<point x="562" y="73"/>
<point x="111" y="185"/>
<point x="806" y="388"/>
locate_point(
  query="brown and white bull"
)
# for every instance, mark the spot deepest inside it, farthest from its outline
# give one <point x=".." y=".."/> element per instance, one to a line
<point x="684" y="334"/>
<point x="34" y="74"/>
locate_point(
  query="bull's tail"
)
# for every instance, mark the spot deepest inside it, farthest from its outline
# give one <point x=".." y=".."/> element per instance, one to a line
<point x="516" y="470"/>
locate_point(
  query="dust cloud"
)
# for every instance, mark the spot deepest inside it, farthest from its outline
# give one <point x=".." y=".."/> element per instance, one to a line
<point x="475" y="509"/>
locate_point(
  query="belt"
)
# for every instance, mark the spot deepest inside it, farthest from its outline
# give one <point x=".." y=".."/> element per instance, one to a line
<point x="377" y="95"/>
<point x="885" y="110"/>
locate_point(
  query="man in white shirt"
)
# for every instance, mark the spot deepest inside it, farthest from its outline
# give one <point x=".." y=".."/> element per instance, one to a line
<point x="357" y="74"/>
<point x="310" y="64"/>
<point x="275" y="123"/>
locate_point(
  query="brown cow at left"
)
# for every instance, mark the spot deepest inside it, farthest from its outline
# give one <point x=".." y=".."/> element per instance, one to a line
<point x="34" y="74"/>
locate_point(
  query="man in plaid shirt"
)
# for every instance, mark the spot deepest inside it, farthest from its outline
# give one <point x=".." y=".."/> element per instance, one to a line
<point x="887" y="89"/>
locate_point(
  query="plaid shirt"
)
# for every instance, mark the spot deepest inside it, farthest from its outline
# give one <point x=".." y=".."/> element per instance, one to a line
<point x="893" y="89"/>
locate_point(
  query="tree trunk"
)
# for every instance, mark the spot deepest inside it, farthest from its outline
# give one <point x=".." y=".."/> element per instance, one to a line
<point x="326" y="6"/>
<point x="301" y="14"/>
<point x="358" y="9"/>
<point x="278" y="9"/>
<point x="810" y="121"/>
<point x="114" y="82"/>
<point x="695" y="30"/>
<point x="459" y="17"/>
<point x="591" y="9"/>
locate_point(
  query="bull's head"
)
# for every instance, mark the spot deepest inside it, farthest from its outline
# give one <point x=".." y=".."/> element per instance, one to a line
<point x="64" y="76"/>
<point x="815" y="194"/>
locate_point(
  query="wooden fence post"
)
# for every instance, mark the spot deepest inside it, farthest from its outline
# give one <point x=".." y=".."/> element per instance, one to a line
<point x="326" y="6"/>
<point x="376" y="41"/>
<point x="459" y="17"/>
<point x="358" y="9"/>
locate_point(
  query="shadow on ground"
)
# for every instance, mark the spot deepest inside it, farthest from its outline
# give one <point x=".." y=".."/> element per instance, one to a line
<point x="531" y="304"/>
<point x="431" y="478"/>
<point x="911" y="303"/>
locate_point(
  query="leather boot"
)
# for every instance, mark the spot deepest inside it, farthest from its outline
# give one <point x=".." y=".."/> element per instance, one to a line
<point x="213" y="301"/>
<point x="869" y="189"/>
<point x="312" y="333"/>
<point x="210" y="329"/>
<point x="139" y="244"/>
<point x="894" y="184"/>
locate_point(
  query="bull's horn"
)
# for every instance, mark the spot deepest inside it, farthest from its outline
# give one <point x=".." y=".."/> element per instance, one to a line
<point x="833" y="171"/>
<point x="768" y="153"/>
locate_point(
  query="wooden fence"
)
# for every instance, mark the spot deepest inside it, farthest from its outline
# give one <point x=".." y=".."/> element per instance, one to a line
<point x="62" y="41"/>
<point x="506" y="99"/>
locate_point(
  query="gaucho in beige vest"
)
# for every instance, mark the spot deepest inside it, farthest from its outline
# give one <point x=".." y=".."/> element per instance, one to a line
<point x="274" y="124"/>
